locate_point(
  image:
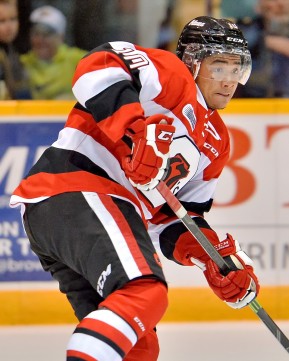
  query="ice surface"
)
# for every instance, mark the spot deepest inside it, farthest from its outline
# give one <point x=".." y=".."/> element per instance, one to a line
<point x="208" y="341"/>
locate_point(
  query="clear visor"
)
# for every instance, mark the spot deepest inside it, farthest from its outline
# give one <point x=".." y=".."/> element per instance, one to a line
<point x="224" y="63"/>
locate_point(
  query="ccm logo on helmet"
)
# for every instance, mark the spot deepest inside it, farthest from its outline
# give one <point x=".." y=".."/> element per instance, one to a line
<point x="235" y="40"/>
<point x="165" y="135"/>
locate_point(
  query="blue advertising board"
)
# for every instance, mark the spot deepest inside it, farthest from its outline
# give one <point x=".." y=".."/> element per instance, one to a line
<point x="21" y="144"/>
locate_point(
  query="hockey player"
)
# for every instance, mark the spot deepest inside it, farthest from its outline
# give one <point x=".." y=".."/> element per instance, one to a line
<point x="90" y="205"/>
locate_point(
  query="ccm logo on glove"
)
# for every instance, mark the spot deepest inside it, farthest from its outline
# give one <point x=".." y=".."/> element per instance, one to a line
<point x="241" y="285"/>
<point x="165" y="136"/>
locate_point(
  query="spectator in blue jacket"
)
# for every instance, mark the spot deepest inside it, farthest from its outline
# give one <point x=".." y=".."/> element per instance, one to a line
<point x="268" y="38"/>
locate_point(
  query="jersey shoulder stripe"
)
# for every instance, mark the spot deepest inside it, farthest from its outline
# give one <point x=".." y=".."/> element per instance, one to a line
<point x="101" y="108"/>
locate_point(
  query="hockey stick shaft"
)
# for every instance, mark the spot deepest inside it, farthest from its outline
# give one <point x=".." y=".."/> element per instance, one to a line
<point x="193" y="228"/>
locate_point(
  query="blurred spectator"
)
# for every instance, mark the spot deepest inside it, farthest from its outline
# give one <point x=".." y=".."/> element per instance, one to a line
<point x="89" y="23"/>
<point x="22" y="43"/>
<point x="124" y="25"/>
<point x="268" y="38"/>
<point x="67" y="7"/>
<point x="237" y="9"/>
<point x="167" y="34"/>
<point x="50" y="64"/>
<point x="12" y="79"/>
<point x="101" y="21"/>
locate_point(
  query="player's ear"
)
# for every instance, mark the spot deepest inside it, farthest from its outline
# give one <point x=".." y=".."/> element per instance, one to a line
<point x="196" y="68"/>
<point x="192" y="64"/>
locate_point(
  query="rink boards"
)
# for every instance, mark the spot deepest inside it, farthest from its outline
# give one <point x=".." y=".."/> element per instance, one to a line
<point x="251" y="203"/>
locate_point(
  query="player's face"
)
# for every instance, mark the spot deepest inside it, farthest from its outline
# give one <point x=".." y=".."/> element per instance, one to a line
<point x="218" y="79"/>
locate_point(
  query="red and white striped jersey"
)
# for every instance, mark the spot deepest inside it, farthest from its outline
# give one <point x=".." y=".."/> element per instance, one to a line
<point x="116" y="84"/>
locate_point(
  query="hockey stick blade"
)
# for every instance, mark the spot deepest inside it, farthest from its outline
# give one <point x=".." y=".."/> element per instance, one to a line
<point x="193" y="228"/>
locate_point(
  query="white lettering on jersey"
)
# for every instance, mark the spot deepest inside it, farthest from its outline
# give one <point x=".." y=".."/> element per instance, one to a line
<point x="139" y="323"/>
<point x="212" y="149"/>
<point x="211" y="129"/>
<point x="134" y="57"/>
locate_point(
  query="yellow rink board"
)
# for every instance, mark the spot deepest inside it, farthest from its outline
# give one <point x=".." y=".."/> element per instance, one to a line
<point x="185" y="304"/>
<point x="61" y="107"/>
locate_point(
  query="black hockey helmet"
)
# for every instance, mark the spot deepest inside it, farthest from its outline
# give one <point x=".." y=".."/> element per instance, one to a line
<point x="205" y="36"/>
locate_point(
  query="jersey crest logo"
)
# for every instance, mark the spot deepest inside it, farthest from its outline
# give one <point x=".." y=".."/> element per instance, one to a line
<point x="179" y="169"/>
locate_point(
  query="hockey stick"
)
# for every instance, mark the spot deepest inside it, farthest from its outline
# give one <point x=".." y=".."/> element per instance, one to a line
<point x="193" y="228"/>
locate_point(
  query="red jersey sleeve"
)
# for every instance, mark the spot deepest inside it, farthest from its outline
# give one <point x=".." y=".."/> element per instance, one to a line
<point x="105" y="86"/>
